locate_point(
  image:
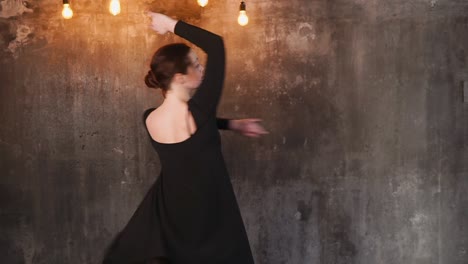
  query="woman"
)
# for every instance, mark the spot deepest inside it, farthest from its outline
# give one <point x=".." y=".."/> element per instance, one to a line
<point x="190" y="214"/>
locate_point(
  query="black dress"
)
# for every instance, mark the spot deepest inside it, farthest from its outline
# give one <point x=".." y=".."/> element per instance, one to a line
<point x="190" y="215"/>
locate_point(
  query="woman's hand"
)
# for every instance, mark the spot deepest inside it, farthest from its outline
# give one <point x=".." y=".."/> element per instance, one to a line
<point x="161" y="23"/>
<point x="248" y="127"/>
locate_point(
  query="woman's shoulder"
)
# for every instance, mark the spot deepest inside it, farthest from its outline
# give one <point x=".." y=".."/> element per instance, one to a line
<point x="155" y="122"/>
<point x="146" y="113"/>
<point x="152" y="114"/>
<point x="154" y="117"/>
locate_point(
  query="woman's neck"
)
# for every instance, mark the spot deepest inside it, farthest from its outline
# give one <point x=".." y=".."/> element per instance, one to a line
<point x="177" y="95"/>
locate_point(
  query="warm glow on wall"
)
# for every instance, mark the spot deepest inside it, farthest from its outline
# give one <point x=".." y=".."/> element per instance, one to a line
<point x="67" y="12"/>
<point x="114" y="7"/>
<point x="243" y="19"/>
<point x="202" y="3"/>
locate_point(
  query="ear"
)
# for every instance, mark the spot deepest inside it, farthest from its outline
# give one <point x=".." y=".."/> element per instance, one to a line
<point x="179" y="78"/>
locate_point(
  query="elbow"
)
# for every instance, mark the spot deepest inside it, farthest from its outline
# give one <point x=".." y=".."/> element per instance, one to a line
<point x="219" y="39"/>
<point x="215" y="48"/>
<point x="219" y="43"/>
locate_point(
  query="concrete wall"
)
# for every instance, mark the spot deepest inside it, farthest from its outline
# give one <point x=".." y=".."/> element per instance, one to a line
<point x="366" y="162"/>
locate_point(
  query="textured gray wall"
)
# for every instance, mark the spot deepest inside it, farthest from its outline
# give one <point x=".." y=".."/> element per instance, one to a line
<point x="366" y="162"/>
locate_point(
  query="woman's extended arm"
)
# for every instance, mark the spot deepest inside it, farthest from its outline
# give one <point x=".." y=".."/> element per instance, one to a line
<point x="249" y="127"/>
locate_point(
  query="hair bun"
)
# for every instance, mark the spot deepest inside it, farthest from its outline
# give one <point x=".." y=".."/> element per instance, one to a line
<point x="151" y="81"/>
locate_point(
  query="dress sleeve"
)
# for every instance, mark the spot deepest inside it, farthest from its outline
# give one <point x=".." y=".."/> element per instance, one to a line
<point x="222" y="123"/>
<point x="207" y="96"/>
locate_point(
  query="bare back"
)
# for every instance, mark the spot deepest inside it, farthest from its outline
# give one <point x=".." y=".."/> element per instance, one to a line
<point x="169" y="125"/>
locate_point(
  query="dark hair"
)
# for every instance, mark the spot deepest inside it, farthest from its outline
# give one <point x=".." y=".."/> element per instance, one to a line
<point x="166" y="62"/>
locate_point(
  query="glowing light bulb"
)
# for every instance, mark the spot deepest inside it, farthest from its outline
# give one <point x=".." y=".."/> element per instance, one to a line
<point x="202" y="3"/>
<point x="67" y="12"/>
<point x="114" y="7"/>
<point x="243" y="19"/>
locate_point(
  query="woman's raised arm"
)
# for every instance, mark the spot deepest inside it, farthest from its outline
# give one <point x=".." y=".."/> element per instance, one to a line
<point x="209" y="92"/>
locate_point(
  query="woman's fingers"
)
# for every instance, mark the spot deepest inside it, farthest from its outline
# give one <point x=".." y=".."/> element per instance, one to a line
<point x="158" y="22"/>
<point x="257" y="128"/>
<point x="254" y="131"/>
<point x="250" y="127"/>
<point x="162" y="23"/>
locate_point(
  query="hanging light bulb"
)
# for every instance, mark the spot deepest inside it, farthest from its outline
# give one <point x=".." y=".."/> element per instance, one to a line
<point x="67" y="12"/>
<point x="243" y="19"/>
<point x="202" y="3"/>
<point x="114" y="7"/>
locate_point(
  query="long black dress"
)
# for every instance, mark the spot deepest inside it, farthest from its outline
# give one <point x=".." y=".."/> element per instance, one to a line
<point x="190" y="215"/>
